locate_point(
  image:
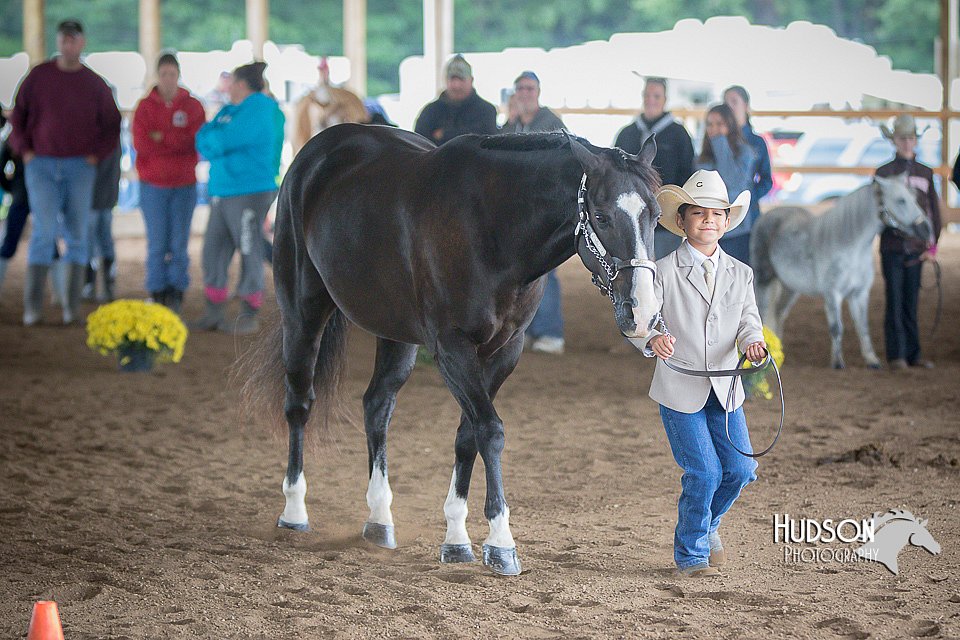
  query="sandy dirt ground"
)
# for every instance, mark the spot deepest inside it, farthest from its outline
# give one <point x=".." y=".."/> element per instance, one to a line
<point x="145" y="505"/>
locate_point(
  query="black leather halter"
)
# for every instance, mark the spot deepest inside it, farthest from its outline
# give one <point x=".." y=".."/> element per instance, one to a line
<point x="611" y="265"/>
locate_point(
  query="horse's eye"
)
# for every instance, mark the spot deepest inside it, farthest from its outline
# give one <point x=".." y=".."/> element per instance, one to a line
<point x="601" y="218"/>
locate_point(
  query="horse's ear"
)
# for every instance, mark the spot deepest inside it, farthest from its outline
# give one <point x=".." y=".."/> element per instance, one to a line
<point x="589" y="162"/>
<point x="649" y="150"/>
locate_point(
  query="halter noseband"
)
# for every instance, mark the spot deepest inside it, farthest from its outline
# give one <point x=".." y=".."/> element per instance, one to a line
<point x="614" y="265"/>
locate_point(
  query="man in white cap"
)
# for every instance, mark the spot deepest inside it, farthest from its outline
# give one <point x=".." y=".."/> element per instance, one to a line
<point x="902" y="258"/>
<point x="710" y="310"/>
<point x="458" y="110"/>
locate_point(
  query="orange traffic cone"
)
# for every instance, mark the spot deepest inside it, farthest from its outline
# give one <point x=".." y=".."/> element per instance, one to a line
<point x="45" y="622"/>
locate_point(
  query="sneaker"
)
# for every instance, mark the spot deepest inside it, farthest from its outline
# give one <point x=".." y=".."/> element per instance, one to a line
<point x="547" y="344"/>
<point x="922" y="364"/>
<point x="898" y="365"/>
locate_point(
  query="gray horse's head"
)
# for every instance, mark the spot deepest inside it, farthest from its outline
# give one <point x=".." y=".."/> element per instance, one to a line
<point x="899" y="208"/>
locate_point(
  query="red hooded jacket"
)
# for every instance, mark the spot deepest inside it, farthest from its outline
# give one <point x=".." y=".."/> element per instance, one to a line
<point x="172" y="161"/>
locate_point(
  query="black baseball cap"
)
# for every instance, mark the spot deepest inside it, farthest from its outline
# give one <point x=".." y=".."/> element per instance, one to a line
<point x="70" y="27"/>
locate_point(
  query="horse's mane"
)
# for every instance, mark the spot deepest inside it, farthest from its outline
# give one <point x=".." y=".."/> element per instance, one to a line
<point x="557" y="140"/>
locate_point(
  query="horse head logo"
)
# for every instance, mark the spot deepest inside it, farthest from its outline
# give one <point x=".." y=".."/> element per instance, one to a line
<point x="899" y="528"/>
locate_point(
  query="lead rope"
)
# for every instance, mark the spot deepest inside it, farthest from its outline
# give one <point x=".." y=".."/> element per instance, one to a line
<point x="733" y="374"/>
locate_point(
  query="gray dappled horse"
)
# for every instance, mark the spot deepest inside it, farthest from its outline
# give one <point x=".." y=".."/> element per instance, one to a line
<point x="444" y="247"/>
<point x="795" y="252"/>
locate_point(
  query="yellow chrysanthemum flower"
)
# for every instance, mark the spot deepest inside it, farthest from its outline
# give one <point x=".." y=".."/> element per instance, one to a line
<point x="133" y="322"/>
<point x="756" y="385"/>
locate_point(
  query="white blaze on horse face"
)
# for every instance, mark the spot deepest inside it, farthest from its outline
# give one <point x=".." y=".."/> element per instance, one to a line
<point x="295" y="511"/>
<point x="379" y="497"/>
<point x="642" y="290"/>
<point x="500" y="535"/>
<point x="455" y="511"/>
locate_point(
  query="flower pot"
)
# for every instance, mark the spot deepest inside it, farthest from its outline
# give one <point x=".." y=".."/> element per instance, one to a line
<point x="135" y="357"/>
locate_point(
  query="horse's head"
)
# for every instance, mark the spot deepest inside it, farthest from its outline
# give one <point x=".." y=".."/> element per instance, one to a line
<point x="922" y="538"/>
<point x="899" y="209"/>
<point x="618" y="214"/>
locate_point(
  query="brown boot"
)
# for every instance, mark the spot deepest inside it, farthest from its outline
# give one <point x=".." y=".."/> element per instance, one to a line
<point x="700" y="571"/>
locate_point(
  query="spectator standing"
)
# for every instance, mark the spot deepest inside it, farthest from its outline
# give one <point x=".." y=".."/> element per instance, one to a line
<point x="902" y="258"/>
<point x="65" y="121"/>
<point x="165" y="126"/>
<point x="106" y="192"/>
<point x="458" y="110"/>
<point x="674" y="159"/>
<point x="726" y="152"/>
<point x="737" y="98"/>
<point x="545" y="333"/>
<point x="239" y="143"/>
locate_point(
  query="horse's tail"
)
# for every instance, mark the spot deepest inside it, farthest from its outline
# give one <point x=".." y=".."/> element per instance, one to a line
<point x="761" y="237"/>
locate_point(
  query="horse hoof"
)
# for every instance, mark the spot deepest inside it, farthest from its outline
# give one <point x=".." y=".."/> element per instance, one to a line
<point x="839" y="365"/>
<point x="876" y="366"/>
<point x="450" y="553"/>
<point x="501" y="560"/>
<point x="380" y="535"/>
<point x="296" y="526"/>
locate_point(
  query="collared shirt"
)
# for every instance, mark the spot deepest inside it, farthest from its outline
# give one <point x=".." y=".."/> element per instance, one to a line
<point x="699" y="258"/>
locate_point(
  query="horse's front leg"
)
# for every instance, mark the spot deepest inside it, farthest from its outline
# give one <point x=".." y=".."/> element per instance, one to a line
<point x="395" y="362"/>
<point x="462" y="370"/>
<point x="832" y="302"/>
<point x="457" y="546"/>
<point x="858" y="304"/>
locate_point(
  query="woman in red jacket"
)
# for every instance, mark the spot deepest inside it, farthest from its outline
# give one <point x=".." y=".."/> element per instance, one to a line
<point x="164" y="127"/>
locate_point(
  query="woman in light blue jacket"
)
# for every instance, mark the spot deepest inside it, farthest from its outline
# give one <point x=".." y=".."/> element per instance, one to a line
<point x="726" y="152"/>
<point x="240" y="144"/>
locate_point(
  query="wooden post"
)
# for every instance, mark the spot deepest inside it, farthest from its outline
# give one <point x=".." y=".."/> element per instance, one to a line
<point x="437" y="37"/>
<point x="34" y="42"/>
<point x="258" y="18"/>
<point x="948" y="46"/>
<point x="355" y="44"/>
<point x="150" y="37"/>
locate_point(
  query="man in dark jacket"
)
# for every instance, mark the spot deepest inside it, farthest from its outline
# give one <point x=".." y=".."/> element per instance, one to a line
<point x="674" y="159"/>
<point x="458" y="110"/>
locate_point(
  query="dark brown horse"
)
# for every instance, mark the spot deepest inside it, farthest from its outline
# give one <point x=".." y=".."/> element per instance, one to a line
<point x="445" y="247"/>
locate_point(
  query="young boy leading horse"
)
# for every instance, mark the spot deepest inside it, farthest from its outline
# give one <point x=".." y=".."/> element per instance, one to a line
<point x="709" y="306"/>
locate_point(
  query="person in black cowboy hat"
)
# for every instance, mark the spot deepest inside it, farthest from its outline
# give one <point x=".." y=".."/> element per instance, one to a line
<point x="902" y="258"/>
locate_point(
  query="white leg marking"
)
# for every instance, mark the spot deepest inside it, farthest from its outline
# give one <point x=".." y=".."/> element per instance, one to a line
<point x="295" y="511"/>
<point x="379" y="498"/>
<point x="500" y="535"/>
<point x="455" y="511"/>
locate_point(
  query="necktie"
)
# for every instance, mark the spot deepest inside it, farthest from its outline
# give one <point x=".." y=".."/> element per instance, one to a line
<point x="708" y="275"/>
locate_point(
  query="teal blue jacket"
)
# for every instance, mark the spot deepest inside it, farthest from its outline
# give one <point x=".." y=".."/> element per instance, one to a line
<point x="240" y="143"/>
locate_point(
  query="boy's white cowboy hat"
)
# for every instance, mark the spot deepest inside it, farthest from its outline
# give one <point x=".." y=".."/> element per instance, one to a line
<point x="704" y="189"/>
<point x="904" y="126"/>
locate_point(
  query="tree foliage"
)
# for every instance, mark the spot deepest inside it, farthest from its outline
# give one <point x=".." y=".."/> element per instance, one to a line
<point x="902" y="29"/>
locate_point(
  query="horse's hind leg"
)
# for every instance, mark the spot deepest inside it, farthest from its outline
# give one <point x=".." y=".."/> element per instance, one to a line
<point x="395" y="361"/>
<point x="481" y="430"/>
<point x="832" y="302"/>
<point x="786" y="298"/>
<point x="858" y="304"/>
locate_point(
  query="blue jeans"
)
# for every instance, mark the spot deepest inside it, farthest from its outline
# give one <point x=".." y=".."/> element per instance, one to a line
<point x="549" y="318"/>
<point x="167" y="213"/>
<point x="100" y="234"/>
<point x="713" y="474"/>
<point x="59" y="189"/>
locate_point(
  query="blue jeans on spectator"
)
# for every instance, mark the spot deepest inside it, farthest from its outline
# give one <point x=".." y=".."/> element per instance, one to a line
<point x="59" y="189"/>
<point x="100" y="234"/>
<point x="167" y="213"/>
<point x="549" y="318"/>
<point x="901" y="279"/>
<point x="713" y="474"/>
